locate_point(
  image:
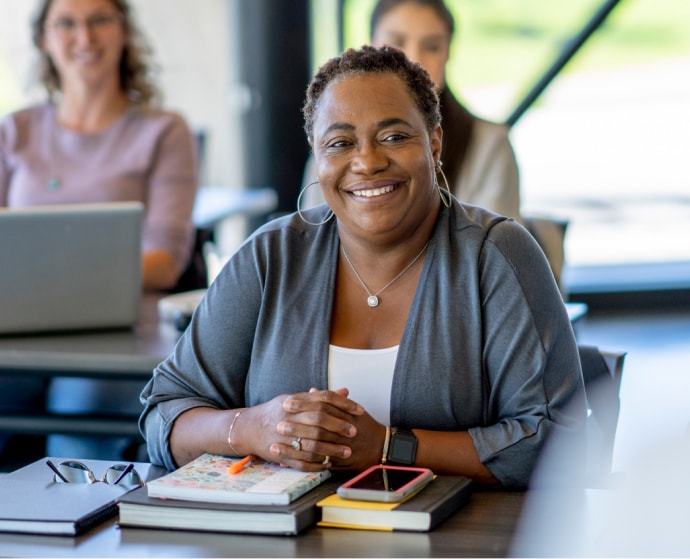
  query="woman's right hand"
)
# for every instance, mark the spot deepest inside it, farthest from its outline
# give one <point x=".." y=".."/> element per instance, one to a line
<point x="305" y="430"/>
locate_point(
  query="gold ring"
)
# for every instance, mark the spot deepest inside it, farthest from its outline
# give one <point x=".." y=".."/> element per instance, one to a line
<point x="297" y="444"/>
<point x="326" y="460"/>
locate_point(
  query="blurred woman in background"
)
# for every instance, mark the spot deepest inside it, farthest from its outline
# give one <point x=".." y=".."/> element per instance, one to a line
<point x="101" y="136"/>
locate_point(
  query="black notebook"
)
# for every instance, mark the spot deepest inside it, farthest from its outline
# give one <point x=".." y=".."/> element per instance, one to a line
<point x="140" y="510"/>
<point x="67" y="509"/>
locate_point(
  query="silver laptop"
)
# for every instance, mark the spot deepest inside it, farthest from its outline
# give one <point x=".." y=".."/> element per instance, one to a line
<point x="70" y="267"/>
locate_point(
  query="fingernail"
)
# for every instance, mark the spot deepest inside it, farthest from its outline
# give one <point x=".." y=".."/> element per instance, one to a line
<point x="289" y="405"/>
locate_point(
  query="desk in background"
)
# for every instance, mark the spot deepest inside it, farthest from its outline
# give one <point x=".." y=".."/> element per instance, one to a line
<point x="215" y="208"/>
<point x="576" y="313"/>
<point x="129" y="354"/>
<point x="213" y="204"/>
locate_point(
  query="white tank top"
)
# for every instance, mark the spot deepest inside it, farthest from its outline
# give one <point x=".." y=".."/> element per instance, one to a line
<point x="367" y="374"/>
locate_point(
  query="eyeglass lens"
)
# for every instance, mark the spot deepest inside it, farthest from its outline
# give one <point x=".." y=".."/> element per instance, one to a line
<point x="123" y="474"/>
<point x="75" y="472"/>
<point x="72" y="471"/>
<point x="67" y="25"/>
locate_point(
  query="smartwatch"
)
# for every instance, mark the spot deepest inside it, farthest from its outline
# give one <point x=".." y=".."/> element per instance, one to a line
<point x="402" y="448"/>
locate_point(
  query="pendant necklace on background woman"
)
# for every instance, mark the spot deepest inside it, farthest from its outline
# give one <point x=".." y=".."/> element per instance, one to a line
<point x="373" y="298"/>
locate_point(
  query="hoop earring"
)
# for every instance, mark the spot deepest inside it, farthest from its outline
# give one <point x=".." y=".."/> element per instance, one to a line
<point x="299" y="209"/>
<point x="448" y="196"/>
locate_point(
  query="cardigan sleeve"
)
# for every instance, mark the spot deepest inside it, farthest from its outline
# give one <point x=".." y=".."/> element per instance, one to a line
<point x="488" y="348"/>
<point x="260" y="331"/>
<point x="535" y="386"/>
<point x="209" y="364"/>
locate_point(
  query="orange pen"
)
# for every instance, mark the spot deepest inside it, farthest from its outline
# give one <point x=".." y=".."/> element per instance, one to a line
<point x="239" y="466"/>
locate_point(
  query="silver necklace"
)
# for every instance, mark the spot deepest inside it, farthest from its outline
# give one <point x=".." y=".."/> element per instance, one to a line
<point x="373" y="299"/>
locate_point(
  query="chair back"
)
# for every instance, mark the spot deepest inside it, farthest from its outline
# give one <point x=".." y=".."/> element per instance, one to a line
<point x="602" y="371"/>
<point x="195" y="275"/>
<point x="549" y="232"/>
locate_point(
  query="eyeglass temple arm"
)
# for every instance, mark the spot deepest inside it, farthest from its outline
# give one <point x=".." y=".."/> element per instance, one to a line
<point x="57" y="472"/>
<point x="124" y="473"/>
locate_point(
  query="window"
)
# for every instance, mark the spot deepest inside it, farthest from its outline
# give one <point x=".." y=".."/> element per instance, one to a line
<point x="604" y="145"/>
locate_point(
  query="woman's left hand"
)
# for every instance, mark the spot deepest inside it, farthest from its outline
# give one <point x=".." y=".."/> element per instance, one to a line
<point x="316" y="421"/>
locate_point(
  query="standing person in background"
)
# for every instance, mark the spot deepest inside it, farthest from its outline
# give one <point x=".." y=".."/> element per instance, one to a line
<point x="477" y="156"/>
<point x="100" y="137"/>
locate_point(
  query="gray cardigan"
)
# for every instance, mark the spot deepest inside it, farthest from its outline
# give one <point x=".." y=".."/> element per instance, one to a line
<point x="487" y="347"/>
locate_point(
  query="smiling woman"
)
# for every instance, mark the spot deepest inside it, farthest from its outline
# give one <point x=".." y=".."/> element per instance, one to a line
<point x="396" y="318"/>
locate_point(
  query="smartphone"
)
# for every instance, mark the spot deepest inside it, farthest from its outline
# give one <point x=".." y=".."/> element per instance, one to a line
<point x="386" y="484"/>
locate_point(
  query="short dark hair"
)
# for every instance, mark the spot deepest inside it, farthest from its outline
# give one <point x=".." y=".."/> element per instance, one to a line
<point x="136" y="67"/>
<point x="372" y="60"/>
<point x="382" y="7"/>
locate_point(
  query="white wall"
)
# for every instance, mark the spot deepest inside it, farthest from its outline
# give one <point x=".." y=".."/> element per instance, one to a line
<point x="193" y="43"/>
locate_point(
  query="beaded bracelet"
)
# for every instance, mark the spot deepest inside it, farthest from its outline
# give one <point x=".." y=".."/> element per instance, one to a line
<point x="232" y="424"/>
<point x="386" y="441"/>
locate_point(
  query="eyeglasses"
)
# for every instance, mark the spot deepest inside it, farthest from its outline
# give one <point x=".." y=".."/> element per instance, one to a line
<point x="72" y="471"/>
<point x="66" y="27"/>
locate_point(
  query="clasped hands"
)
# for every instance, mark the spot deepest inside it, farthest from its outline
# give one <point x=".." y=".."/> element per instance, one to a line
<point x="319" y="429"/>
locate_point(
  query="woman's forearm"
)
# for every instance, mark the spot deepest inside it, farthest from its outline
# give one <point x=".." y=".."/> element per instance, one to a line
<point x="200" y="430"/>
<point x="451" y="453"/>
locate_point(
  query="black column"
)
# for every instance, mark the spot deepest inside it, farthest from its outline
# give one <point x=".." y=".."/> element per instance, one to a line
<point x="275" y="66"/>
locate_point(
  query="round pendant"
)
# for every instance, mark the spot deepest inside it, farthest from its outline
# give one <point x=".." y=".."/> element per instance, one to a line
<point x="373" y="301"/>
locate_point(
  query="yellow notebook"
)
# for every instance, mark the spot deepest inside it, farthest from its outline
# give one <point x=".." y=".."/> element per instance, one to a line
<point x="420" y="512"/>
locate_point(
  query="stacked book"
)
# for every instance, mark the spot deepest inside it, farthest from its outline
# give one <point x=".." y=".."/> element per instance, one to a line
<point x="267" y="498"/>
<point x="207" y="495"/>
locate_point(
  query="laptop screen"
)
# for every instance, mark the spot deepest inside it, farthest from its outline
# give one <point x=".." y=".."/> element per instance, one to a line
<point x="70" y="267"/>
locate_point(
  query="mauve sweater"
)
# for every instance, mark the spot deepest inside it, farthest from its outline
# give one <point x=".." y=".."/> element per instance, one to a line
<point x="146" y="155"/>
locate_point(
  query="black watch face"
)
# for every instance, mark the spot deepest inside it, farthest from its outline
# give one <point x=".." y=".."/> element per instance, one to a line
<point x="403" y="448"/>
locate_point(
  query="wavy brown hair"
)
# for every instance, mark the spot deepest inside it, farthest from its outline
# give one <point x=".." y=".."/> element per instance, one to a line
<point x="136" y="65"/>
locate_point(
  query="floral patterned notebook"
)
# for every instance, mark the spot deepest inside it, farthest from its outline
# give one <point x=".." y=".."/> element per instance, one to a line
<point x="207" y="479"/>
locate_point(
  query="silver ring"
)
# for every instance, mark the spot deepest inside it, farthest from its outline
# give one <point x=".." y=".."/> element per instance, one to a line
<point x="297" y="444"/>
<point x="326" y="460"/>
